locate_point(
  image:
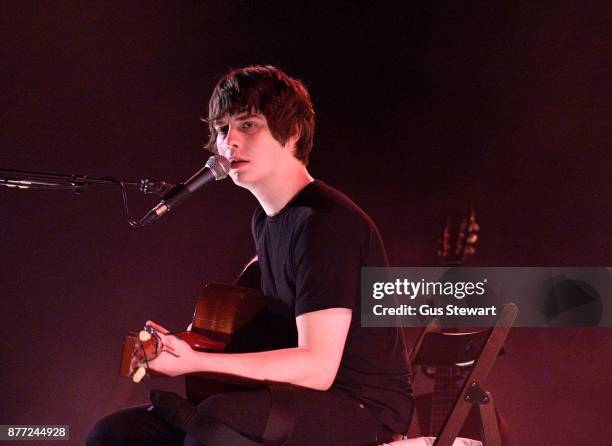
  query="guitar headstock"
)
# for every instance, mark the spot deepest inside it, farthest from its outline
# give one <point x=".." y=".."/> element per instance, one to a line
<point x="458" y="238"/>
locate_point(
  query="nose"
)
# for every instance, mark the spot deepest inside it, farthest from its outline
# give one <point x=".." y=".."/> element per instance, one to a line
<point x="232" y="139"/>
<point x="227" y="143"/>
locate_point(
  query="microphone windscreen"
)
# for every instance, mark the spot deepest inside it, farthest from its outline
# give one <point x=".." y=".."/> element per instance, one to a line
<point x="219" y="166"/>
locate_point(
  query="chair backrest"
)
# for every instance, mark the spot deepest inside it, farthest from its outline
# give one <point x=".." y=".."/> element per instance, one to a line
<point x="447" y="349"/>
<point x="474" y="351"/>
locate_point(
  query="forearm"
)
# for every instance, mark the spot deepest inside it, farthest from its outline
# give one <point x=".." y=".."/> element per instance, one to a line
<point x="313" y="363"/>
<point x="299" y="366"/>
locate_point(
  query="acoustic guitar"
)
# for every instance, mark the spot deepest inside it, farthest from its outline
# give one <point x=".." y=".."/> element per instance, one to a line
<point x="456" y="243"/>
<point x="227" y="318"/>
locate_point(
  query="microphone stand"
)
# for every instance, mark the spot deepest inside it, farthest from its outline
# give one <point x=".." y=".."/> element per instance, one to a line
<point x="22" y="179"/>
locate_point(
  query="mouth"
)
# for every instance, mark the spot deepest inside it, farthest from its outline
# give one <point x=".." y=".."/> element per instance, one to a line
<point x="236" y="163"/>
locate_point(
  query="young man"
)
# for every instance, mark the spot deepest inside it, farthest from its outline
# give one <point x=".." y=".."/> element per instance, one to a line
<point x="342" y="384"/>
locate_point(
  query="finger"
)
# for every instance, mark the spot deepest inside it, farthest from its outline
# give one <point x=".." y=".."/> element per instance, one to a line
<point x="157" y="327"/>
<point x="169" y="343"/>
<point x="138" y="358"/>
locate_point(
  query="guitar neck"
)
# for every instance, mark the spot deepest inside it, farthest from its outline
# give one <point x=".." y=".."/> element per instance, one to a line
<point x="446" y="388"/>
<point x="456" y="242"/>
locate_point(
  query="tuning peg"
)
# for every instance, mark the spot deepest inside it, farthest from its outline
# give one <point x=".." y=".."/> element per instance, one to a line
<point x="470" y="249"/>
<point x="144" y="336"/>
<point x="471" y="239"/>
<point x="139" y="374"/>
<point x="474" y="227"/>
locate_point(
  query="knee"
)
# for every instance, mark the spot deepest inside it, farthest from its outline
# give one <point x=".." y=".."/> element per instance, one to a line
<point x="221" y="406"/>
<point x="109" y="430"/>
<point x="100" y="435"/>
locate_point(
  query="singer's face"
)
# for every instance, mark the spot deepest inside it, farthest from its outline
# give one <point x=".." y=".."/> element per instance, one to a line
<point x="246" y="141"/>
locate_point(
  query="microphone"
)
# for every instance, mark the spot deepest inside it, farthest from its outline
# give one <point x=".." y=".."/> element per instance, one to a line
<point x="216" y="168"/>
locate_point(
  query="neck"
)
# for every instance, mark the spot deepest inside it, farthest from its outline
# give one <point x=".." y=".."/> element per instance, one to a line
<point x="281" y="188"/>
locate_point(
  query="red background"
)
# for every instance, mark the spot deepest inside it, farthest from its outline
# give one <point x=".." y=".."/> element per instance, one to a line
<point x="421" y="109"/>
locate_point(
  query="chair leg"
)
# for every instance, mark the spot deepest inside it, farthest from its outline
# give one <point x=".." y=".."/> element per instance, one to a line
<point x="490" y="427"/>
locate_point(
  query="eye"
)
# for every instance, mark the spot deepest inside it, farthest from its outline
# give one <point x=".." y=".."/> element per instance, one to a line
<point x="248" y="124"/>
<point x="222" y="129"/>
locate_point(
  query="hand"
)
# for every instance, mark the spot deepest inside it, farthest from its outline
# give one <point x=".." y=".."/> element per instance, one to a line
<point x="176" y="355"/>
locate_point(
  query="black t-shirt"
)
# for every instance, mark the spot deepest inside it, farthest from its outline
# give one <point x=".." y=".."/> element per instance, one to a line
<point x="310" y="256"/>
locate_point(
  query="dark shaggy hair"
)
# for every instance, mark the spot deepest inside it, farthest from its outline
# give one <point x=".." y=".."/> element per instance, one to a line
<point x="284" y="102"/>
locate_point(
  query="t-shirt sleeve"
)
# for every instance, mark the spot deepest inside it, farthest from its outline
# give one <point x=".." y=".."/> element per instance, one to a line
<point x="326" y="264"/>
